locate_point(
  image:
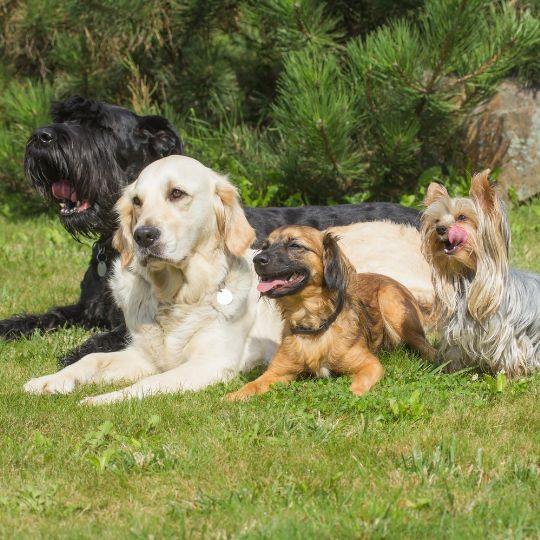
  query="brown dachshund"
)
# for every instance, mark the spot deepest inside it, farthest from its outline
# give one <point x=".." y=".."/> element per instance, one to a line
<point x="335" y="320"/>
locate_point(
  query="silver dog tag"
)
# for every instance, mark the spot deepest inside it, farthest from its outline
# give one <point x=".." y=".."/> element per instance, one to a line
<point x="224" y="297"/>
<point x="101" y="269"/>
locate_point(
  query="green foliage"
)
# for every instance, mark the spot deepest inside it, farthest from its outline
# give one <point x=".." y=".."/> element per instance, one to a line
<point x="300" y="101"/>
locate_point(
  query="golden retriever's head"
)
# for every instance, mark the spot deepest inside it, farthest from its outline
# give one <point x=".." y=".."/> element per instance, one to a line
<point x="299" y="258"/>
<point x="178" y="207"/>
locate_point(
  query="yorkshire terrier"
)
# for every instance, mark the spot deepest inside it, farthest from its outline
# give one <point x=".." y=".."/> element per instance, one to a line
<point x="488" y="313"/>
<point x="334" y="319"/>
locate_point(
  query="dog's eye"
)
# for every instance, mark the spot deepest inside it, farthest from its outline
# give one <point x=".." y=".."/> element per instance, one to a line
<point x="177" y="194"/>
<point x="295" y="245"/>
<point x="462" y="217"/>
<point x="136" y="201"/>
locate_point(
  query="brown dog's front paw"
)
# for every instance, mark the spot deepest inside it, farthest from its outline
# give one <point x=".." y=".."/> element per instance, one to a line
<point x="240" y="395"/>
<point x="359" y="389"/>
<point x="247" y="391"/>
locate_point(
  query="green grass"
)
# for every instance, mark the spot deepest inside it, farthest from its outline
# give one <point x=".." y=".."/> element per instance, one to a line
<point x="424" y="455"/>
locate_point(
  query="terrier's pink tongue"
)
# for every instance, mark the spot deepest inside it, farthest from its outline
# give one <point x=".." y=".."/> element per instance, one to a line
<point x="457" y="235"/>
<point x="64" y="190"/>
<point x="265" y="286"/>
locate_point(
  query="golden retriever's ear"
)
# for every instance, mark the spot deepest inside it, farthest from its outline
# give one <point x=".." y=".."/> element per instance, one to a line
<point x="122" y="239"/>
<point x="337" y="268"/>
<point x="435" y="191"/>
<point x="233" y="226"/>
<point x="483" y="191"/>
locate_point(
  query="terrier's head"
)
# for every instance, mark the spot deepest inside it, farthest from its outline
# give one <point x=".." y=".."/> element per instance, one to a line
<point x="468" y="236"/>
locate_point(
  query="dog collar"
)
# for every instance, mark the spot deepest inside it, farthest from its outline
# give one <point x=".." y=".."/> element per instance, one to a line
<point x="325" y="325"/>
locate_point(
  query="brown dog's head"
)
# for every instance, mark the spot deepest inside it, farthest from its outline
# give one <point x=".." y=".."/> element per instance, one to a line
<point x="298" y="258"/>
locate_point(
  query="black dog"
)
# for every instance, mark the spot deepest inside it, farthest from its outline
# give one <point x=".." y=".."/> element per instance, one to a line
<point x="82" y="161"/>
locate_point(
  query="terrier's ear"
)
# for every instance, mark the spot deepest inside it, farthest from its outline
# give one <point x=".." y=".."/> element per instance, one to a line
<point x="122" y="239"/>
<point x="337" y="269"/>
<point x="483" y="192"/>
<point x="435" y="191"/>
<point x="233" y="226"/>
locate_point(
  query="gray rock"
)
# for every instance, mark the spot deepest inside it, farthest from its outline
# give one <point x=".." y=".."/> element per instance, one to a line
<point x="505" y="132"/>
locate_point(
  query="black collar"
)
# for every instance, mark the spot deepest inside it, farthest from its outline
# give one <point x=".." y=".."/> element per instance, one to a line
<point x="325" y="324"/>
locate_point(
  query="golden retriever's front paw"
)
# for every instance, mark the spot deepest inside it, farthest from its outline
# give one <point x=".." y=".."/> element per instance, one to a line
<point x="50" y="384"/>
<point x="103" y="399"/>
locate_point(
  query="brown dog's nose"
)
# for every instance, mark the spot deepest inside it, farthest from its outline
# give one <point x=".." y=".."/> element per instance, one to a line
<point x="261" y="259"/>
<point x="146" y="236"/>
<point x="441" y="230"/>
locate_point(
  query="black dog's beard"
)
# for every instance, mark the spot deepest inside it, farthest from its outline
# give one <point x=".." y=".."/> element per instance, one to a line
<point x="92" y="171"/>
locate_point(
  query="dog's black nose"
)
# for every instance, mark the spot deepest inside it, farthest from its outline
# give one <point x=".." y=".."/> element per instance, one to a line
<point x="145" y="236"/>
<point x="45" y="135"/>
<point x="261" y="259"/>
<point x="441" y="230"/>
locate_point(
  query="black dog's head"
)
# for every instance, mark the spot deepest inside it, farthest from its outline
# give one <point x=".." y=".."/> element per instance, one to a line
<point x="90" y="152"/>
<point x="299" y="259"/>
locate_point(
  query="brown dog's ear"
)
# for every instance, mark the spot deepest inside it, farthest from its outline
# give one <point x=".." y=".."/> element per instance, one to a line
<point x="483" y="192"/>
<point x="337" y="268"/>
<point x="435" y="191"/>
<point x="232" y="223"/>
<point x="122" y="239"/>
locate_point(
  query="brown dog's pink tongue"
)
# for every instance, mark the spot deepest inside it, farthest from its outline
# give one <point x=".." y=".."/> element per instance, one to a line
<point x="457" y="235"/>
<point x="63" y="190"/>
<point x="265" y="286"/>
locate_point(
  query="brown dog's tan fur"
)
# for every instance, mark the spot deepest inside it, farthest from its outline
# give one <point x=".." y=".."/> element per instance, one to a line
<point x="377" y="310"/>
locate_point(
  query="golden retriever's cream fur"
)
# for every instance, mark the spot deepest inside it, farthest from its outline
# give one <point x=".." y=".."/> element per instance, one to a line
<point x="183" y="336"/>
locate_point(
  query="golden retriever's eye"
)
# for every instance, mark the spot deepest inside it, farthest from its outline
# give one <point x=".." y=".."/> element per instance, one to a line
<point x="462" y="217"/>
<point x="136" y="201"/>
<point x="177" y="194"/>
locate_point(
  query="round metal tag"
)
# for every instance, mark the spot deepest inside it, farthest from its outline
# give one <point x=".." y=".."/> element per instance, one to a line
<point x="101" y="269"/>
<point x="224" y="297"/>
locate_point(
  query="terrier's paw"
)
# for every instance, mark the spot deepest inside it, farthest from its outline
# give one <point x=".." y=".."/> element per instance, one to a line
<point x="50" y="384"/>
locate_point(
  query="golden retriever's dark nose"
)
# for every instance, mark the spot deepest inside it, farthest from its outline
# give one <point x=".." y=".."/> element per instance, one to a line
<point x="146" y="236"/>
<point x="261" y="259"/>
<point x="441" y="231"/>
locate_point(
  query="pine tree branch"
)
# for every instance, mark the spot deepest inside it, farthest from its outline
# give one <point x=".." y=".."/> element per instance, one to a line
<point x="299" y="22"/>
<point x="327" y="149"/>
<point x="407" y="80"/>
<point x="445" y="51"/>
<point x="479" y="71"/>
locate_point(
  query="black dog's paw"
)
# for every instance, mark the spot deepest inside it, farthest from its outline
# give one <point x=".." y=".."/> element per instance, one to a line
<point x="17" y="327"/>
<point x="106" y="342"/>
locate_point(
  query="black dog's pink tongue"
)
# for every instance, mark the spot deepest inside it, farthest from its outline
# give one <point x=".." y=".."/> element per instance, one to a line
<point x="265" y="286"/>
<point x="64" y="190"/>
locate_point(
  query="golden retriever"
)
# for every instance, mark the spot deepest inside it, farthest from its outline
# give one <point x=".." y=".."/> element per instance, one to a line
<point x="185" y="284"/>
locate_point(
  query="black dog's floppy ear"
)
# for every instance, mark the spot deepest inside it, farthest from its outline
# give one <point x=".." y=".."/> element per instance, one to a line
<point x="337" y="269"/>
<point x="162" y="136"/>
